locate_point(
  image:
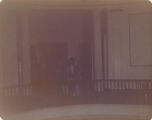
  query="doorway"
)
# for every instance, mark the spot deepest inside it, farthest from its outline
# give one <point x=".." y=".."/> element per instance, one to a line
<point x="54" y="38"/>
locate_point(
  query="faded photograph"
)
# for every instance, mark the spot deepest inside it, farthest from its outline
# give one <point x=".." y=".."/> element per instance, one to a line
<point x="75" y="60"/>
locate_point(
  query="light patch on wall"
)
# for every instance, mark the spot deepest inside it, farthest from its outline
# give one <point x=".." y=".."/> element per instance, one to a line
<point x="1" y="1"/>
<point x="1" y="118"/>
<point x="150" y="1"/>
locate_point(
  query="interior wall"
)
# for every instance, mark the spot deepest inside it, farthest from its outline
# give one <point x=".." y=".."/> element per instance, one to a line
<point x="129" y="46"/>
<point x="52" y="26"/>
<point x="8" y="47"/>
<point x="130" y="43"/>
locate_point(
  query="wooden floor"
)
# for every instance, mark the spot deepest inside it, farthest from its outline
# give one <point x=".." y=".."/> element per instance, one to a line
<point x="87" y="112"/>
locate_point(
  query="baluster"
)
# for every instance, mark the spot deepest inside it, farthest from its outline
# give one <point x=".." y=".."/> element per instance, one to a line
<point x="124" y="84"/>
<point x="16" y="91"/>
<point x="12" y="92"/>
<point x="98" y="86"/>
<point x="127" y="87"/>
<point x="141" y="85"/>
<point x="115" y="84"/>
<point x="24" y="87"/>
<point x="134" y="84"/>
<point x="129" y="84"/>
<point x="95" y="85"/>
<point x="105" y="85"/>
<point x="110" y="84"/>
<point x="120" y="86"/>
<point x="150" y="86"/>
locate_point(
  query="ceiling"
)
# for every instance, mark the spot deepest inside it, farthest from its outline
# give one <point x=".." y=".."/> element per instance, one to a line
<point x="72" y="2"/>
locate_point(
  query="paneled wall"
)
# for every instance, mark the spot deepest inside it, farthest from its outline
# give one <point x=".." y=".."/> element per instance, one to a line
<point x="130" y="42"/>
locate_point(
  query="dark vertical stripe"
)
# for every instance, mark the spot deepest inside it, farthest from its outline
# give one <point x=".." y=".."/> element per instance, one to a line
<point x="19" y="51"/>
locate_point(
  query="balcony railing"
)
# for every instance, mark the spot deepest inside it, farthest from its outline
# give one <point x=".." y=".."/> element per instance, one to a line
<point x="79" y="88"/>
<point x="78" y="92"/>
